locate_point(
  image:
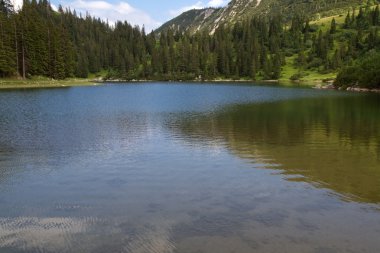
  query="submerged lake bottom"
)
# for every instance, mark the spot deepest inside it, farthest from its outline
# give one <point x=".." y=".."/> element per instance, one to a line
<point x="197" y="168"/>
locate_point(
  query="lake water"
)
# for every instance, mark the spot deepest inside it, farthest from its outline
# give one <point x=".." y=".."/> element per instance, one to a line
<point x="167" y="168"/>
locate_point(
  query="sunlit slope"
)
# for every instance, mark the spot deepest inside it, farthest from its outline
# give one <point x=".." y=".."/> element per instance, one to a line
<point x="209" y="19"/>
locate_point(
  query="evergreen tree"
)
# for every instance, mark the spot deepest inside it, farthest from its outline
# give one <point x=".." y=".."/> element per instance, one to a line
<point x="375" y="17"/>
<point x="333" y="26"/>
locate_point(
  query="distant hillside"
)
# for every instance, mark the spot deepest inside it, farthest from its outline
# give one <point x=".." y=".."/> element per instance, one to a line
<point x="210" y="19"/>
<point x="192" y="20"/>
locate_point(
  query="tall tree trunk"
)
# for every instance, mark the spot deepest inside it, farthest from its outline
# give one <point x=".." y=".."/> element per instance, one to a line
<point x="49" y="54"/>
<point x="16" y="47"/>
<point x="23" y="56"/>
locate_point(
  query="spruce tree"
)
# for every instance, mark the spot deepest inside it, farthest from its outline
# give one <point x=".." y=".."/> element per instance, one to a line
<point x="333" y="26"/>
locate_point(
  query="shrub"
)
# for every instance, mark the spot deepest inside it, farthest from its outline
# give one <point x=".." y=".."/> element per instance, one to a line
<point x="364" y="73"/>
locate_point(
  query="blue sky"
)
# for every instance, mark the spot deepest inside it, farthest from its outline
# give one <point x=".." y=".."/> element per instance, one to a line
<point x="151" y="13"/>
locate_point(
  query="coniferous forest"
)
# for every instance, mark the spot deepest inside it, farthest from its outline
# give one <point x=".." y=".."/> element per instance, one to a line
<point x="38" y="41"/>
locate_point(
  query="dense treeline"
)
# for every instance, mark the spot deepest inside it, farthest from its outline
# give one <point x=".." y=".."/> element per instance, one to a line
<point x="34" y="42"/>
<point x="59" y="44"/>
<point x="365" y="47"/>
<point x="364" y="73"/>
<point x="39" y="41"/>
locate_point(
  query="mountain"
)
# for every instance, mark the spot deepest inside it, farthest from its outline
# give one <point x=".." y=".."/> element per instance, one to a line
<point x="192" y="20"/>
<point x="210" y="19"/>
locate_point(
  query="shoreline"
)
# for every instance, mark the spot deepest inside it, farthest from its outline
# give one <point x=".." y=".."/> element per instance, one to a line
<point x="37" y="83"/>
<point x="40" y="83"/>
<point x="281" y="82"/>
<point x="330" y="86"/>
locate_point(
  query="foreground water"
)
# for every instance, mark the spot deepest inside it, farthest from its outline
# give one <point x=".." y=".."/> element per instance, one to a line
<point x="189" y="168"/>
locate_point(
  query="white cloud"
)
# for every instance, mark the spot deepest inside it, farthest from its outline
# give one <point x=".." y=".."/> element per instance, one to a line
<point x="54" y="7"/>
<point x="217" y="3"/>
<point x="198" y="5"/>
<point x="113" y="12"/>
<point x="17" y="4"/>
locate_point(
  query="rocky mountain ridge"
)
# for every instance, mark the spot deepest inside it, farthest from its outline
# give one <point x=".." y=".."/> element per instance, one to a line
<point x="210" y="19"/>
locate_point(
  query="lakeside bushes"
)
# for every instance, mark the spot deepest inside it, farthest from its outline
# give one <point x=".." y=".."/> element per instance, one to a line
<point x="364" y="73"/>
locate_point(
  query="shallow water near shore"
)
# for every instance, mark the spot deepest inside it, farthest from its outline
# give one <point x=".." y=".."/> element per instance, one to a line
<point x="189" y="167"/>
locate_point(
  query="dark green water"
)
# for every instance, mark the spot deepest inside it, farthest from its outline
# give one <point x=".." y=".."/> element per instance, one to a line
<point x="189" y="168"/>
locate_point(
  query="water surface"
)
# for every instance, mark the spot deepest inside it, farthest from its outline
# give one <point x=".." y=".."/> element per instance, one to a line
<point x="189" y="168"/>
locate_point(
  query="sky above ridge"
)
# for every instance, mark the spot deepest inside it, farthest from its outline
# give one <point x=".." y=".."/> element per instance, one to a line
<point x="151" y="13"/>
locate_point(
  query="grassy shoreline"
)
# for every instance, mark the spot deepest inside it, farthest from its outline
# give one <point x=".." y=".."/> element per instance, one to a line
<point x="41" y="82"/>
<point x="281" y="81"/>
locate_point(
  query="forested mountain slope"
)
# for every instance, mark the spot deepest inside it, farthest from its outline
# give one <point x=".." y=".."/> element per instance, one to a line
<point x="37" y="41"/>
<point x="238" y="10"/>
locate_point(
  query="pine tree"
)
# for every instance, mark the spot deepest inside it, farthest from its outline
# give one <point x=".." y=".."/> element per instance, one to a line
<point x="376" y="16"/>
<point x="361" y="20"/>
<point x="337" y="60"/>
<point x="7" y="56"/>
<point x="347" y="21"/>
<point x="333" y="26"/>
